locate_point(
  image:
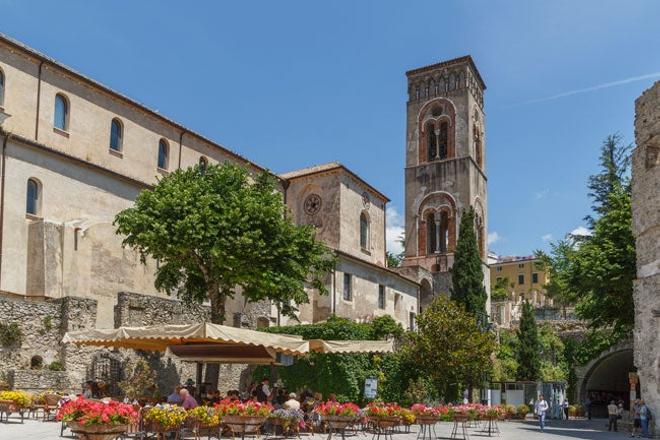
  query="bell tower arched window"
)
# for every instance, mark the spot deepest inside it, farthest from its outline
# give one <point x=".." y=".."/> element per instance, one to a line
<point x="431" y="235"/>
<point x="431" y="142"/>
<point x="443" y="140"/>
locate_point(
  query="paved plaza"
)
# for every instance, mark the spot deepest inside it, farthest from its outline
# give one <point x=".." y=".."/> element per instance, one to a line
<point x="528" y="430"/>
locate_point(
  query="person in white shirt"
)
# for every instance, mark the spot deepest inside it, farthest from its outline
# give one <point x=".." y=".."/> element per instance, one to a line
<point x="540" y="409"/>
<point x="292" y="403"/>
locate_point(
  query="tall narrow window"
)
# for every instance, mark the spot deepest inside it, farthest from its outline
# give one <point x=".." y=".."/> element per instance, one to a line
<point x="32" y="205"/>
<point x="431" y="142"/>
<point x="443" y="140"/>
<point x="2" y="88"/>
<point x="203" y="164"/>
<point x="348" y="287"/>
<point x="381" y="297"/>
<point x="444" y="231"/>
<point x="61" y="120"/>
<point x="431" y="235"/>
<point x="478" y="153"/>
<point x="116" y="135"/>
<point x="521" y="279"/>
<point x="163" y="154"/>
<point x="364" y="231"/>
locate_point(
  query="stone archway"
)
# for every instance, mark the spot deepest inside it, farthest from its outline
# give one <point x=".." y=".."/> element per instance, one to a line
<point x="606" y="377"/>
<point x="425" y="294"/>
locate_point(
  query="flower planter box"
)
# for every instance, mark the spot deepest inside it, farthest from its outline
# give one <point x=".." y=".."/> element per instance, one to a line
<point x="385" y="422"/>
<point x="427" y="419"/>
<point x="339" y="422"/>
<point x="243" y="424"/>
<point x="97" y="432"/>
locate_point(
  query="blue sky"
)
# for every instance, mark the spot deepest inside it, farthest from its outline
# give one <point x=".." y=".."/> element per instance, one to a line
<point x="294" y="83"/>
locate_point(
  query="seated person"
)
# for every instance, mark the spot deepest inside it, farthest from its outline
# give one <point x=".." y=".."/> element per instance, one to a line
<point x="187" y="401"/>
<point x="292" y="403"/>
<point x="175" y="397"/>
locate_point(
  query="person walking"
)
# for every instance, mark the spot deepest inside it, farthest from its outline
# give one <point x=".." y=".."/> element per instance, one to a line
<point x="644" y="417"/>
<point x="613" y="414"/>
<point x="540" y="409"/>
<point x="565" y="406"/>
<point x="634" y="413"/>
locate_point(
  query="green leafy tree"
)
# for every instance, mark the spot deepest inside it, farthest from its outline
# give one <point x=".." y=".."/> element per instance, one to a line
<point x="505" y="365"/>
<point x="553" y="365"/>
<point x="528" y="347"/>
<point x="500" y="291"/>
<point x="393" y="260"/>
<point x="219" y="231"/>
<point x="614" y="164"/>
<point x="467" y="271"/>
<point x="603" y="268"/>
<point x="450" y="349"/>
<point x="560" y="285"/>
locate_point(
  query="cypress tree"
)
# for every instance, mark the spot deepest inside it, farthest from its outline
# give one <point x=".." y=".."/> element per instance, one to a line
<point x="527" y="352"/>
<point x="467" y="271"/>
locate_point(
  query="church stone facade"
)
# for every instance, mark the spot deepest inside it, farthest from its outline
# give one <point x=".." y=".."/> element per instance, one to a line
<point x="646" y="226"/>
<point x="73" y="154"/>
<point x="445" y="170"/>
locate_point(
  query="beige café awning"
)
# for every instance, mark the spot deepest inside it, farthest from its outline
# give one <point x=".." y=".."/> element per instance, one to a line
<point x="323" y="346"/>
<point x="160" y="337"/>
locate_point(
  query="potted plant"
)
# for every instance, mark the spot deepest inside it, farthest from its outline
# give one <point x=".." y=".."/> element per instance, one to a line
<point x="522" y="410"/>
<point x="425" y="415"/>
<point x="243" y="417"/>
<point x="289" y="420"/>
<point x="165" y="418"/>
<point x="383" y="415"/>
<point x="93" y="420"/>
<point x="14" y="402"/>
<point x="338" y="415"/>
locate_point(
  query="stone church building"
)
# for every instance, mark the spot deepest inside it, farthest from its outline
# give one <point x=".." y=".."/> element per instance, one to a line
<point x="74" y="153"/>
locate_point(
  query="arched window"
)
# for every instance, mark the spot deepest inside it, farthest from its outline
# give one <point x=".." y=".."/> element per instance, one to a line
<point x="203" y="164"/>
<point x="444" y="231"/>
<point x="431" y="234"/>
<point x="163" y="154"/>
<point x="2" y="88"/>
<point x="364" y="231"/>
<point x="116" y="135"/>
<point x="33" y="202"/>
<point x="478" y="153"/>
<point x="61" y="120"/>
<point x="431" y="142"/>
<point x="443" y="140"/>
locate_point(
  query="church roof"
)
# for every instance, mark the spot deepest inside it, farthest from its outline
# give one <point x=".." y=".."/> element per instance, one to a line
<point x="85" y="79"/>
<point x="327" y="167"/>
<point x="460" y="60"/>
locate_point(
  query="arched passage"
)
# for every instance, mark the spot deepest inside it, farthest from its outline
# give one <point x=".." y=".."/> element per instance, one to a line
<point x="425" y="294"/>
<point x="606" y="378"/>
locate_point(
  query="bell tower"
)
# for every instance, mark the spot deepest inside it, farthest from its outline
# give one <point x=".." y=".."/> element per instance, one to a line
<point x="445" y="169"/>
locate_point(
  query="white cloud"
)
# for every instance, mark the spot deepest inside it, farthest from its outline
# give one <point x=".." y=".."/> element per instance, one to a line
<point x="593" y="88"/>
<point x="541" y="194"/>
<point x="394" y="230"/>
<point x="580" y="230"/>
<point x="493" y="237"/>
<point x="546" y="237"/>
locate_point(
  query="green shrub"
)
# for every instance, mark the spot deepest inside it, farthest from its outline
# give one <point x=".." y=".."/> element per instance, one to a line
<point x="523" y="410"/>
<point x="10" y="335"/>
<point x="56" y="366"/>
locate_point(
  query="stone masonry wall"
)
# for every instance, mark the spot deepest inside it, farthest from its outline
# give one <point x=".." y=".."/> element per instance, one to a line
<point x="646" y="225"/>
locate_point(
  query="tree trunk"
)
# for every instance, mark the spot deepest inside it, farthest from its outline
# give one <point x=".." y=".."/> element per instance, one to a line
<point x="217" y="306"/>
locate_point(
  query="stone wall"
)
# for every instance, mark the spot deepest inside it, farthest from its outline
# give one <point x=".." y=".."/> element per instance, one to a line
<point x="646" y="225"/>
<point x="38" y="380"/>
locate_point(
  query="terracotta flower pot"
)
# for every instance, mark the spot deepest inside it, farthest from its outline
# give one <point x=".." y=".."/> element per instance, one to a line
<point x="97" y="432"/>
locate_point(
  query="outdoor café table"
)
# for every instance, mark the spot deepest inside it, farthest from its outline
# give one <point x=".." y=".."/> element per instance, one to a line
<point x="460" y="423"/>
